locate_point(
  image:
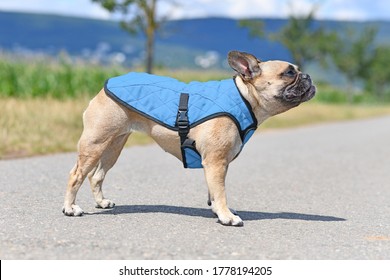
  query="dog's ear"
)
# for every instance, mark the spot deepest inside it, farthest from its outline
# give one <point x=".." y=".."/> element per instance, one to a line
<point x="244" y="64"/>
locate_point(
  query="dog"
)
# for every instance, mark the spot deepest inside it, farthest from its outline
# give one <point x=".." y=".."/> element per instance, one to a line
<point x="266" y="88"/>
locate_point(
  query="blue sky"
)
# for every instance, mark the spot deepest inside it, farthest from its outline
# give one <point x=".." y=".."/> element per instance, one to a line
<point x="328" y="9"/>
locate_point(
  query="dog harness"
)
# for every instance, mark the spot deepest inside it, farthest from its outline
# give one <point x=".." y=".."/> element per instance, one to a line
<point x="181" y="106"/>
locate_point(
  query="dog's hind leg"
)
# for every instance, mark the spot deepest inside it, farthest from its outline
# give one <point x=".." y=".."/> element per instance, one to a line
<point x="97" y="175"/>
<point x="104" y="121"/>
<point x="89" y="155"/>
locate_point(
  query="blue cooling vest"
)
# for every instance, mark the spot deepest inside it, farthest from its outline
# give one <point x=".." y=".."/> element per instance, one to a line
<point x="157" y="98"/>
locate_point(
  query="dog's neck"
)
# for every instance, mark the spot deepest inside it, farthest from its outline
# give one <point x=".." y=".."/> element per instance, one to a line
<point x="249" y="93"/>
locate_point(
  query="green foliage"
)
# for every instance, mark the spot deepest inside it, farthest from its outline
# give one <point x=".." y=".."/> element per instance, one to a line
<point x="62" y="80"/>
<point x="353" y="52"/>
<point x="378" y="80"/>
<point x="255" y="27"/>
<point x="353" y="56"/>
<point x="305" y="41"/>
<point x="330" y="94"/>
<point x="110" y="5"/>
<point x="65" y="80"/>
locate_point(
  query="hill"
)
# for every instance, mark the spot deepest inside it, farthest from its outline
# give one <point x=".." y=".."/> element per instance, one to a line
<point x="183" y="43"/>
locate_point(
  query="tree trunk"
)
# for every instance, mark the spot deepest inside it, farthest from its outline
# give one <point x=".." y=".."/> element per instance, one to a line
<point x="350" y="91"/>
<point x="149" y="51"/>
<point x="150" y="11"/>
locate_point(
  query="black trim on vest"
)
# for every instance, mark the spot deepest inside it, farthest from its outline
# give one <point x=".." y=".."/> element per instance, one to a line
<point x="127" y="105"/>
<point x="242" y="132"/>
<point x="182" y="125"/>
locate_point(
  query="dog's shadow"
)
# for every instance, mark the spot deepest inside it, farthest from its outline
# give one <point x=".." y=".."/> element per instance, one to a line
<point x="207" y="213"/>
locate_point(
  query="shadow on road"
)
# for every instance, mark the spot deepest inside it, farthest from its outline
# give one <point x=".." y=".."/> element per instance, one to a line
<point x="207" y="213"/>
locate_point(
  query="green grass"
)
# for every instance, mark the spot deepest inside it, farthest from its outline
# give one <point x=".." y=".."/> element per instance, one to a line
<point x="42" y="104"/>
<point x="315" y="112"/>
<point x="48" y="79"/>
<point x="61" y="80"/>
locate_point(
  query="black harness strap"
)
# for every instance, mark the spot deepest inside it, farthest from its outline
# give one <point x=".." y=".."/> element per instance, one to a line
<point x="182" y="117"/>
<point x="183" y="126"/>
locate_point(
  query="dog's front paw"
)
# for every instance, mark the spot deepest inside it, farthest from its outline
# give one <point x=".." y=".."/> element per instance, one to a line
<point x="73" y="210"/>
<point x="227" y="218"/>
<point x="231" y="210"/>
<point x="231" y="220"/>
<point x="105" y="204"/>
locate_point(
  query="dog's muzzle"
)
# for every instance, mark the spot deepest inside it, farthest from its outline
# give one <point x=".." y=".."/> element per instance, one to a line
<point x="302" y="90"/>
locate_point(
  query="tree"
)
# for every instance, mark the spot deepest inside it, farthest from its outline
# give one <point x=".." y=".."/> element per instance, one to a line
<point x="378" y="79"/>
<point x="300" y="36"/>
<point x="255" y="27"/>
<point x="354" y="55"/>
<point x="305" y="41"/>
<point x="142" y="18"/>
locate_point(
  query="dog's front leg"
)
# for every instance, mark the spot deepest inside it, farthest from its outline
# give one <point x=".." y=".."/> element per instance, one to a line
<point x="215" y="176"/>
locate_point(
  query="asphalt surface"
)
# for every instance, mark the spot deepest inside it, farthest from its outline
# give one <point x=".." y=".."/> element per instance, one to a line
<point x="319" y="192"/>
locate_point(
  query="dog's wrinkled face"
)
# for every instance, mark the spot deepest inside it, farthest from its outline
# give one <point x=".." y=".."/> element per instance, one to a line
<point x="300" y="90"/>
<point x="276" y="85"/>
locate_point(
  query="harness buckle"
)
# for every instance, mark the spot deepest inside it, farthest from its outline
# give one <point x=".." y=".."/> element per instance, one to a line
<point x="182" y="120"/>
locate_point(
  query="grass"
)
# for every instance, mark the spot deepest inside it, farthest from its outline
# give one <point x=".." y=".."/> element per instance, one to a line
<point x="42" y="103"/>
<point x="315" y="112"/>
<point x="65" y="79"/>
<point x="43" y="126"/>
<point x="39" y="126"/>
<point x="36" y="126"/>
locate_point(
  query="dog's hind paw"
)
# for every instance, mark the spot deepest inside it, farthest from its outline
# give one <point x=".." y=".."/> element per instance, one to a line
<point x="74" y="210"/>
<point x="105" y="204"/>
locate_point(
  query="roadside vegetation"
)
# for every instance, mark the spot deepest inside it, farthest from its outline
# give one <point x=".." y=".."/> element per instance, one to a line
<point x="42" y="104"/>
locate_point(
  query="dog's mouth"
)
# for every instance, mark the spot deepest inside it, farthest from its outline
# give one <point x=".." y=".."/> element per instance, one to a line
<point x="309" y="94"/>
<point x="301" y="91"/>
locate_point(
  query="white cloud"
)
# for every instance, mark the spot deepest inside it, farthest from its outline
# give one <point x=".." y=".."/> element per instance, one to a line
<point x="82" y="8"/>
<point x="328" y="9"/>
<point x="242" y="8"/>
<point x="354" y="10"/>
<point x="349" y="15"/>
<point x="227" y="8"/>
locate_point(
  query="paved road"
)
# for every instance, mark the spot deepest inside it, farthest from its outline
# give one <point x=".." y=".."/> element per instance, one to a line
<point x="320" y="192"/>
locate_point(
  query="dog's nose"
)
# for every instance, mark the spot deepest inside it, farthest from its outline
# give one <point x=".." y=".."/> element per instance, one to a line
<point x="305" y="76"/>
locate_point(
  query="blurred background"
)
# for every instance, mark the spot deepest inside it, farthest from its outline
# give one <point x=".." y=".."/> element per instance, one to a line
<point x="56" y="55"/>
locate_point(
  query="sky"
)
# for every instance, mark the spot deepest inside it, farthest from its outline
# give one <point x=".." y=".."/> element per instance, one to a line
<point x="360" y="10"/>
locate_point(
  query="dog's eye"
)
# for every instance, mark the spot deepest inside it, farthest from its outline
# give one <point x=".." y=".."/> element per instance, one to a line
<point x="290" y="73"/>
